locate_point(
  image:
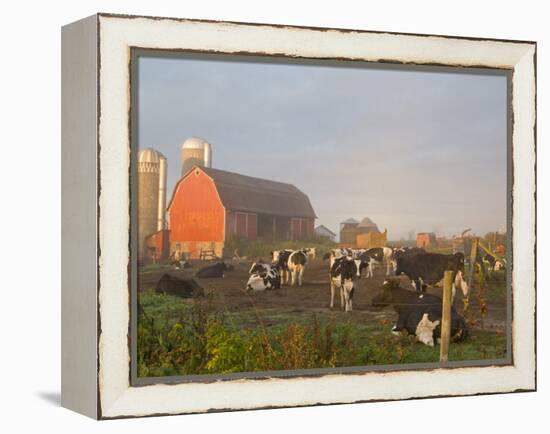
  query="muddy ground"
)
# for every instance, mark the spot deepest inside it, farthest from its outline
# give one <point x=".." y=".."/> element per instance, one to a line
<point x="229" y="295"/>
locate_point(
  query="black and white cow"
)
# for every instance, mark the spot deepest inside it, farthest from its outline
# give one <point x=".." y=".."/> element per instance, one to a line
<point x="213" y="271"/>
<point x="259" y="268"/>
<point x="180" y="287"/>
<point x="296" y="265"/>
<point x="428" y="269"/>
<point x="279" y="260"/>
<point x="342" y="251"/>
<point x="367" y="259"/>
<point x="492" y="263"/>
<point x="311" y="252"/>
<point x="269" y="278"/>
<point x="411" y="308"/>
<point x="343" y="273"/>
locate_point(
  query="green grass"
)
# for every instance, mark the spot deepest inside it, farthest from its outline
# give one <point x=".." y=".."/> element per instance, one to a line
<point x="177" y="337"/>
<point x="261" y="248"/>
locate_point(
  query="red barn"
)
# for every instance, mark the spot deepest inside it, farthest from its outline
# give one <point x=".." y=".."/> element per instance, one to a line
<point x="209" y="206"/>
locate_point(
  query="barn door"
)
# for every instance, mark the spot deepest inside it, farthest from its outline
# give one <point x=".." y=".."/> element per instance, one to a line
<point x="241" y="227"/>
<point x="296" y="229"/>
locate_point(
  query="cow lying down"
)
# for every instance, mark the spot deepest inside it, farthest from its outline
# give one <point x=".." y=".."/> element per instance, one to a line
<point x="418" y="313"/>
<point x="263" y="277"/>
<point x="180" y="287"/>
<point x="214" y="271"/>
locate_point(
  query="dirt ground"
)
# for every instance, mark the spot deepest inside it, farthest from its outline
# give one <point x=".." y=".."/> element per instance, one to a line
<point x="228" y="294"/>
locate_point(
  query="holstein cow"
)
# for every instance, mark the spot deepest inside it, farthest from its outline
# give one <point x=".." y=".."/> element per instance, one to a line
<point x="259" y="268"/>
<point x="279" y="259"/>
<point x="343" y="272"/>
<point x="180" y="287"/>
<point x="213" y="271"/>
<point x="310" y="252"/>
<point x="367" y="259"/>
<point x="342" y="251"/>
<point x="428" y="269"/>
<point x="492" y="264"/>
<point x="269" y="279"/>
<point x="296" y="264"/>
<point x="411" y="308"/>
<point x="425" y="330"/>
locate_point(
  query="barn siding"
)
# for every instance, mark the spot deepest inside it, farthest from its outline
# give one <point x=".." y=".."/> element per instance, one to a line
<point x="159" y="244"/>
<point x="300" y="228"/>
<point x="197" y="216"/>
<point x="242" y="224"/>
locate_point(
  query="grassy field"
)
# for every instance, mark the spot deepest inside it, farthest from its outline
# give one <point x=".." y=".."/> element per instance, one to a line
<point x="260" y="248"/>
<point x="180" y="337"/>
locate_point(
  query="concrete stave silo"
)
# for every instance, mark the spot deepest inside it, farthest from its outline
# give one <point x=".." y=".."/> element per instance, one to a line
<point x="195" y="151"/>
<point x="151" y="169"/>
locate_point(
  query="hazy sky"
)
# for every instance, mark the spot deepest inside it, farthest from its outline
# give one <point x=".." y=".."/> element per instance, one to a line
<point x="413" y="150"/>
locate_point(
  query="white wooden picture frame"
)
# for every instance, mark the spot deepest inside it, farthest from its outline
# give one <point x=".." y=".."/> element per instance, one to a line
<point x="96" y="312"/>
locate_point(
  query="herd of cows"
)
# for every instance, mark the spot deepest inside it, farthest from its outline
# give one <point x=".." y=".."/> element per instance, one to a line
<point x="419" y="313"/>
<point x="347" y="265"/>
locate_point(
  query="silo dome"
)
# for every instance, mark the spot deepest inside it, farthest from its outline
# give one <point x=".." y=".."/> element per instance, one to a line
<point x="149" y="155"/>
<point x="194" y="143"/>
<point x="195" y="151"/>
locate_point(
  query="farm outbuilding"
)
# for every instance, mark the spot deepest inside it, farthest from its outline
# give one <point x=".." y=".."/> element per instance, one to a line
<point x="209" y="206"/>
<point x="323" y="231"/>
<point x="351" y="229"/>
<point x="425" y="239"/>
<point x="157" y="246"/>
<point x="372" y="239"/>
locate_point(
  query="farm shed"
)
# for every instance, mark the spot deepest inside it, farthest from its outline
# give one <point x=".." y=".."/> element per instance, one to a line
<point x="157" y="246"/>
<point x="323" y="231"/>
<point x="372" y="239"/>
<point x="350" y="229"/>
<point x="425" y="239"/>
<point x="209" y="206"/>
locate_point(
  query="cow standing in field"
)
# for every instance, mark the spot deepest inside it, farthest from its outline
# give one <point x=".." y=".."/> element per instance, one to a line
<point x="367" y="259"/>
<point x="492" y="264"/>
<point x="342" y="251"/>
<point x="296" y="265"/>
<point x="343" y="273"/>
<point x="279" y="260"/>
<point x="428" y="269"/>
<point x="411" y="308"/>
<point x="310" y="252"/>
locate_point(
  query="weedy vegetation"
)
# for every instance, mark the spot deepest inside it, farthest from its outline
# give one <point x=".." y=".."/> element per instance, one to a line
<point x="181" y="337"/>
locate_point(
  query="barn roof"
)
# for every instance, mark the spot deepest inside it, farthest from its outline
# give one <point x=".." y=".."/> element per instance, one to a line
<point x="324" y="228"/>
<point x="351" y="220"/>
<point x="246" y="193"/>
<point x="367" y="223"/>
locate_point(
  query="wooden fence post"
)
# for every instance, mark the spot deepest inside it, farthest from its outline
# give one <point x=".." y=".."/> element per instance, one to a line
<point x="473" y="260"/>
<point x="446" y="317"/>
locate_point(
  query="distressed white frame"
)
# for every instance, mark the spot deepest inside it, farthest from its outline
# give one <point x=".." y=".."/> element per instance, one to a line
<point x="116" y="35"/>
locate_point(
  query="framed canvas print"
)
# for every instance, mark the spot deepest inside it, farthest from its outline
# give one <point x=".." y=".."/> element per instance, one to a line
<point x="261" y="216"/>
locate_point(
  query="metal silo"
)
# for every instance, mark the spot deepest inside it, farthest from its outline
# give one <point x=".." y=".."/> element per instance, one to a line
<point x="151" y="195"/>
<point x="195" y="152"/>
